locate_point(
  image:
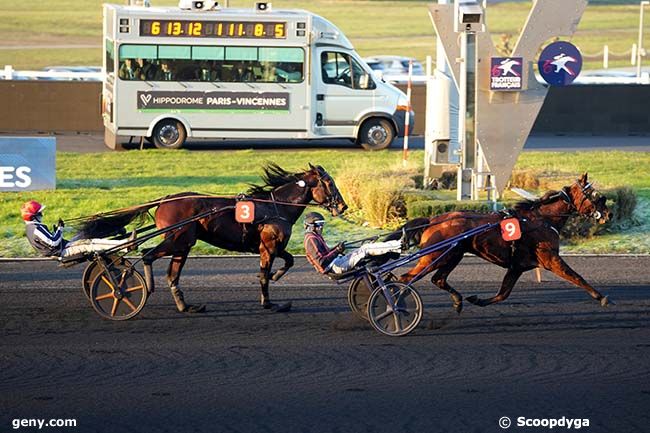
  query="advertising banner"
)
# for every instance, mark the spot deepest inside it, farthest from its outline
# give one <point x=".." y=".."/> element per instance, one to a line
<point x="262" y="101"/>
<point x="505" y="73"/>
<point x="27" y="163"/>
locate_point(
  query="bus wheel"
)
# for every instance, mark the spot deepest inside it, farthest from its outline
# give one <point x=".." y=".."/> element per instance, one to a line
<point x="169" y="134"/>
<point x="376" y="134"/>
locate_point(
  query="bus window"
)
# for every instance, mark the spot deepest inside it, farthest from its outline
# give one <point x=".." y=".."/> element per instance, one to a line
<point x="110" y="56"/>
<point x="205" y="63"/>
<point x="340" y="69"/>
<point x="282" y="64"/>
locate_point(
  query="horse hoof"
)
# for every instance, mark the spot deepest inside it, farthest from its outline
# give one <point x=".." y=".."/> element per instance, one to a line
<point x="472" y="299"/>
<point x="193" y="309"/>
<point x="458" y="307"/>
<point x="605" y="302"/>
<point x="281" y="308"/>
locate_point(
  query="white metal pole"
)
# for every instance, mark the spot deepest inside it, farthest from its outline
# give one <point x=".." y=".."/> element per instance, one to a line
<point x="407" y="122"/>
<point x="639" y="48"/>
<point x="606" y="57"/>
<point x="462" y="108"/>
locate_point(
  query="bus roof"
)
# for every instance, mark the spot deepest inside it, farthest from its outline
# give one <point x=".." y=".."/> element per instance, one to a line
<point x="323" y="31"/>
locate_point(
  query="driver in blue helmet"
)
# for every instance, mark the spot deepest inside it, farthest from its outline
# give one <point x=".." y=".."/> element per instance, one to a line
<point x="332" y="260"/>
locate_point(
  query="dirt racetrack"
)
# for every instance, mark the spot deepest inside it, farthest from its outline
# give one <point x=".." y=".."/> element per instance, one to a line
<point x="547" y="352"/>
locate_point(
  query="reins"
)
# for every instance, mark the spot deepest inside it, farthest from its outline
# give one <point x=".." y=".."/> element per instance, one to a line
<point x="184" y="197"/>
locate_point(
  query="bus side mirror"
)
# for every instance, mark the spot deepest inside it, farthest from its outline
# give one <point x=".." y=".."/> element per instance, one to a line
<point x="363" y="81"/>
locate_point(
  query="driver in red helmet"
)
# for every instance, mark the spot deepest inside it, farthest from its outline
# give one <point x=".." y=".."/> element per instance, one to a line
<point x="52" y="244"/>
<point x="326" y="259"/>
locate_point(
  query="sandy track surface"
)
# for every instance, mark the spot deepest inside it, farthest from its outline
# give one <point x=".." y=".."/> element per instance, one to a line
<point x="547" y="352"/>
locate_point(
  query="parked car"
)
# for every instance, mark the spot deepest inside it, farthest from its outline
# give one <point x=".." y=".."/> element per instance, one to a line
<point x="394" y="65"/>
<point x="87" y="73"/>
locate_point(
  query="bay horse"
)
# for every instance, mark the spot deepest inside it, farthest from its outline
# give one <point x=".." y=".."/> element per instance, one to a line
<point x="279" y="202"/>
<point x="541" y="222"/>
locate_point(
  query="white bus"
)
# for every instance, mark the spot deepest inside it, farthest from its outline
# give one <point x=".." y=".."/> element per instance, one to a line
<point x="206" y="72"/>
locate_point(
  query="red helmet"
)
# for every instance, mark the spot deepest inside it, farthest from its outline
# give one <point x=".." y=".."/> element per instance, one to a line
<point x="30" y="208"/>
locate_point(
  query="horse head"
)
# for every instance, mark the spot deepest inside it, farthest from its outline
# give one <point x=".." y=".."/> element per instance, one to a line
<point x="324" y="190"/>
<point x="587" y="201"/>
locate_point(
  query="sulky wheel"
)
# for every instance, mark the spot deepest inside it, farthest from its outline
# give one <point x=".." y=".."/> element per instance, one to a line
<point x="404" y="318"/>
<point x="118" y="292"/>
<point x="358" y="294"/>
<point x="92" y="270"/>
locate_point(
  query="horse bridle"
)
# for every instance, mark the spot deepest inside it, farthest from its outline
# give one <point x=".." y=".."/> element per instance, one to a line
<point x="586" y="195"/>
<point x="330" y="203"/>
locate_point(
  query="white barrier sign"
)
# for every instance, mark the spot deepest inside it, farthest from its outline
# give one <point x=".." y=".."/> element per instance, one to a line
<point x="27" y="163"/>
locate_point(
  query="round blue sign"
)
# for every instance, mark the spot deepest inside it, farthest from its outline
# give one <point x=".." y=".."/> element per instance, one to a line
<point x="560" y="63"/>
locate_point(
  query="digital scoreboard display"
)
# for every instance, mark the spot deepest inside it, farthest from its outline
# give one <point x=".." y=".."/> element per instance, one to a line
<point x="213" y="29"/>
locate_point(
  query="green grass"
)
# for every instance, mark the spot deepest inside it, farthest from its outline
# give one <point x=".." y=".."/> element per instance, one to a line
<point x="92" y="183"/>
<point x="374" y="27"/>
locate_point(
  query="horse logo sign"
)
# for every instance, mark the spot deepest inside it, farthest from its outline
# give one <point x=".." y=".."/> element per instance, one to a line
<point x="505" y="73"/>
<point x="560" y="63"/>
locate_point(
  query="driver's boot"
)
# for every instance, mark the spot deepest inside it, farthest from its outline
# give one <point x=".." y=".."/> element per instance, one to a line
<point x="181" y="306"/>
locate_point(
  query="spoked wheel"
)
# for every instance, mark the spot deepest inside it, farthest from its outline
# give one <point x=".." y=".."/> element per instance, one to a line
<point x="92" y="270"/>
<point x="119" y="292"/>
<point x="404" y="318"/>
<point x="358" y="294"/>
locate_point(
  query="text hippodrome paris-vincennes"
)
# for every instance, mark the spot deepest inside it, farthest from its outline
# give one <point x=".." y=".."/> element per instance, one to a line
<point x="221" y="100"/>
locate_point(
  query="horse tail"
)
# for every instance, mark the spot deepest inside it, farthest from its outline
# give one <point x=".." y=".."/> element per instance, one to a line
<point x="413" y="230"/>
<point x="111" y="223"/>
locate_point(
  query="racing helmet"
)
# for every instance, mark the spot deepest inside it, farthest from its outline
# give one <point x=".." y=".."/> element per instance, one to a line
<point x="31" y="208"/>
<point x="314" y="219"/>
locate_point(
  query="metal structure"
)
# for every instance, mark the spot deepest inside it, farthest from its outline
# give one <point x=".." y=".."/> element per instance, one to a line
<point x="492" y="126"/>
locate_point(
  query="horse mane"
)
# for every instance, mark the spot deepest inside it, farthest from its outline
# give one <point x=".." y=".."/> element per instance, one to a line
<point x="273" y="177"/>
<point x="526" y="205"/>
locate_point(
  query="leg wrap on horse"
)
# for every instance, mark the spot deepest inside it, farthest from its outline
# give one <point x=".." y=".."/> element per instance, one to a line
<point x="181" y="306"/>
<point x="179" y="299"/>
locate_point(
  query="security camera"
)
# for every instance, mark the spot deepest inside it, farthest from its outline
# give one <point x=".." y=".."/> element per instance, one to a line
<point x="198" y="5"/>
<point x="469" y="16"/>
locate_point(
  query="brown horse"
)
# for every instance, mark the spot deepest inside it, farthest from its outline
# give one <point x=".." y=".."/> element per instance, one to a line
<point x="541" y="221"/>
<point x="278" y="205"/>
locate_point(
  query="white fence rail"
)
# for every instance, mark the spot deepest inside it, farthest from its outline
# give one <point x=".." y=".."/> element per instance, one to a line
<point x="9" y="73"/>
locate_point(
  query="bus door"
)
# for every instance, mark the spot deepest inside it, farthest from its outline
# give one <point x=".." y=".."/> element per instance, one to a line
<point x="344" y="90"/>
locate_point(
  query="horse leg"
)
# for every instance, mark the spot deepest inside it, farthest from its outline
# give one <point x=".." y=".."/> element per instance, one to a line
<point x="288" y="263"/>
<point x="554" y="263"/>
<point x="266" y="262"/>
<point x="419" y="267"/>
<point x="169" y="246"/>
<point x="506" y="287"/>
<point x="441" y="275"/>
<point x="173" y="275"/>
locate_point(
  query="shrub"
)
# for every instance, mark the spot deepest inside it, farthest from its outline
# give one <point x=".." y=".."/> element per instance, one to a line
<point x="379" y="197"/>
<point x="428" y="208"/>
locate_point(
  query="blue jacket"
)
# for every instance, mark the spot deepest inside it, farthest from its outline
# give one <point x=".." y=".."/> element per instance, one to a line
<point x="43" y="241"/>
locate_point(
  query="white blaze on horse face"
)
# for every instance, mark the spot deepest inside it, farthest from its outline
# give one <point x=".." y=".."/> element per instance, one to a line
<point x="301" y="183"/>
